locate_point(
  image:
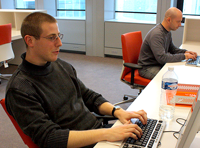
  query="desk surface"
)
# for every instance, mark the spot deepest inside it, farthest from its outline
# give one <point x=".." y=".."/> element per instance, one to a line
<point x="149" y="100"/>
<point x="191" y="46"/>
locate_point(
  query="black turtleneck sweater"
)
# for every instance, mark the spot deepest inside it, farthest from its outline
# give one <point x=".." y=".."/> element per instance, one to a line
<point x="49" y="101"/>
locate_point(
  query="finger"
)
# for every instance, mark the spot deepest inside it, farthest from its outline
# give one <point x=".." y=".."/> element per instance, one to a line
<point x="140" y="130"/>
<point x="127" y="122"/>
<point x="136" y="129"/>
<point x="137" y="133"/>
<point x="143" y="116"/>
<point x="195" y="54"/>
<point x="134" y="136"/>
<point x="194" y="58"/>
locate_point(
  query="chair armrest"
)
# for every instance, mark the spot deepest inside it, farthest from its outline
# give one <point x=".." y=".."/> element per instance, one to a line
<point x="132" y="66"/>
<point x="105" y="118"/>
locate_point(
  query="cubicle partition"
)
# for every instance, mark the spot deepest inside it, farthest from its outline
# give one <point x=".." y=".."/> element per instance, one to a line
<point x="191" y="34"/>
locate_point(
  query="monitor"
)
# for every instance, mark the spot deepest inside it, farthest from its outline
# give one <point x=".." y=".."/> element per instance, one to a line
<point x="191" y="126"/>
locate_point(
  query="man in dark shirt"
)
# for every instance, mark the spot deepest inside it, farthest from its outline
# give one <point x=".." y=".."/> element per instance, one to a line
<point x="49" y="102"/>
<point x="158" y="48"/>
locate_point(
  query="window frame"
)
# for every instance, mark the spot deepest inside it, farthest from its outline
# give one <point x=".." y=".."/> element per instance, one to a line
<point x="131" y="12"/>
<point x="15" y="4"/>
<point x="180" y="6"/>
<point x="65" y="10"/>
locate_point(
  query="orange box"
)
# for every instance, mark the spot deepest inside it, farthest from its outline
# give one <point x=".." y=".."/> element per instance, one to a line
<point x="186" y="93"/>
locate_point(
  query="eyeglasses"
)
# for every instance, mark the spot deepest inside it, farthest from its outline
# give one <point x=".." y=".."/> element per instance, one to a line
<point x="53" y="38"/>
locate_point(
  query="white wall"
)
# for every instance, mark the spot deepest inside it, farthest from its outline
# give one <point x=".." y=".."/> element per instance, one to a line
<point x="74" y="36"/>
<point x="113" y="32"/>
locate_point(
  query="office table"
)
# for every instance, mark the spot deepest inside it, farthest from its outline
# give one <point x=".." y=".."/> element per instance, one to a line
<point x="149" y="101"/>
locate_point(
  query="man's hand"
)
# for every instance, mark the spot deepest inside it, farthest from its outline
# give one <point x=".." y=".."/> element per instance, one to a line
<point x="87" y="137"/>
<point x="123" y="131"/>
<point x="125" y="116"/>
<point x="190" y="55"/>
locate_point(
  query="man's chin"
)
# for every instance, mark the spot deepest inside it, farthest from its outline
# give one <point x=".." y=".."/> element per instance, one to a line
<point x="174" y="29"/>
<point x="53" y="59"/>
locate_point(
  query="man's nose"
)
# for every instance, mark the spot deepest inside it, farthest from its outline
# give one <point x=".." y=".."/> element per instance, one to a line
<point x="58" y="42"/>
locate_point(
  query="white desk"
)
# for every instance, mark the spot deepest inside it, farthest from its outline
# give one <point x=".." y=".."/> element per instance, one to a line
<point x="149" y="101"/>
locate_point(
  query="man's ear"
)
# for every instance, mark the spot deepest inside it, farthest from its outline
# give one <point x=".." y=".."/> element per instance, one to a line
<point x="169" y="19"/>
<point x="29" y="40"/>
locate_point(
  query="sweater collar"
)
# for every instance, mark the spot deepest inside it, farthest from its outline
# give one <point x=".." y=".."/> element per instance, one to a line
<point x="164" y="28"/>
<point x="35" y="69"/>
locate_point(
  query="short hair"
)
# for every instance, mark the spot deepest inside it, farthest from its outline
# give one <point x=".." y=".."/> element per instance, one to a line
<point x="31" y="25"/>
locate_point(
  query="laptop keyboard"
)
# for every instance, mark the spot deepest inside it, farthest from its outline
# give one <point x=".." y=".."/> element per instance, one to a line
<point x="194" y="62"/>
<point x="152" y="133"/>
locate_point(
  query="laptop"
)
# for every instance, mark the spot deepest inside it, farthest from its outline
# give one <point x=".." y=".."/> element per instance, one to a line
<point x="192" y="62"/>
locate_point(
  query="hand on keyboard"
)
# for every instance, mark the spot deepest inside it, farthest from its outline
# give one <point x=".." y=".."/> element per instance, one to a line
<point x="123" y="131"/>
<point x="190" y="55"/>
<point x="126" y="116"/>
<point x="152" y="133"/>
<point x="194" y="62"/>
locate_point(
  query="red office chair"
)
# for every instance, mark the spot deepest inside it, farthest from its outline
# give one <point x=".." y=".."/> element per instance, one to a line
<point x="131" y="44"/>
<point x="6" y="52"/>
<point x="27" y="140"/>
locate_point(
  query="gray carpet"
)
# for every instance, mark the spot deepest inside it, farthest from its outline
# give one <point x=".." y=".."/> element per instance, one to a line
<point x="100" y="74"/>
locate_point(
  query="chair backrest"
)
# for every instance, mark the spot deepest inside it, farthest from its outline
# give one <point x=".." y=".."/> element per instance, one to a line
<point x="6" y="51"/>
<point x="27" y="140"/>
<point x="131" y="44"/>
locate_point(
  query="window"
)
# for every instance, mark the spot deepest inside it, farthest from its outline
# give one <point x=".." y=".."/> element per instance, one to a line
<point x="24" y="4"/>
<point x="142" y="11"/>
<point x="71" y="8"/>
<point x="191" y="7"/>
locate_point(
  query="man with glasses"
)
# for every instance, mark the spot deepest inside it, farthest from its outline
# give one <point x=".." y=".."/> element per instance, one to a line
<point x="158" y="48"/>
<point x="49" y="102"/>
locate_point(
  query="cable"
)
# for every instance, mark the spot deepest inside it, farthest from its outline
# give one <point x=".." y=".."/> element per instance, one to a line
<point x="177" y="132"/>
<point x="179" y="122"/>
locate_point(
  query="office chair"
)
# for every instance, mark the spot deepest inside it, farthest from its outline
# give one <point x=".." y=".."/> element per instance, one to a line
<point x="27" y="140"/>
<point x="131" y="44"/>
<point x="6" y="52"/>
